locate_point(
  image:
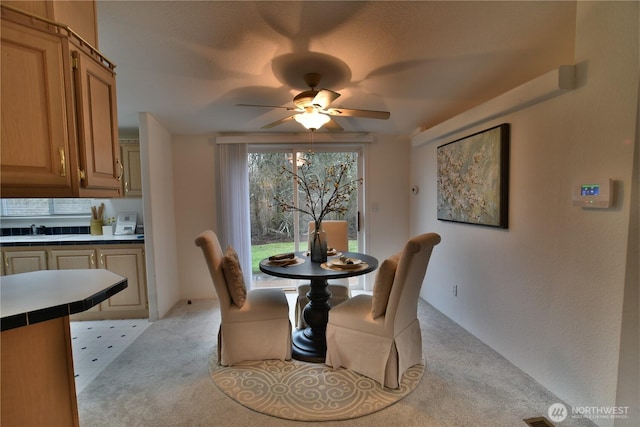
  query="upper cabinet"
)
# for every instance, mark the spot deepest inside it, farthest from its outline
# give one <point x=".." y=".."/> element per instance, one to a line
<point x="130" y="155"/>
<point x="80" y="15"/>
<point x="36" y="116"/>
<point x="59" y="118"/>
<point x="97" y="125"/>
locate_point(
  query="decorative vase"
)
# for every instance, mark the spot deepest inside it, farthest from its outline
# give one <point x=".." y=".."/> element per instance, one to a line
<point x="318" y="245"/>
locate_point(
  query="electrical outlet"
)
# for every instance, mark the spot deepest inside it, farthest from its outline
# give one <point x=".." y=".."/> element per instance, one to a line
<point x="455" y="290"/>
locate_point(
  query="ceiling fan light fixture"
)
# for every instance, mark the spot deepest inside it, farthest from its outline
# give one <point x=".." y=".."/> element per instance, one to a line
<point x="313" y="109"/>
<point x="312" y="119"/>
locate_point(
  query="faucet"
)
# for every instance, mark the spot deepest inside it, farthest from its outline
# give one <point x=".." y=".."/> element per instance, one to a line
<point x="37" y="230"/>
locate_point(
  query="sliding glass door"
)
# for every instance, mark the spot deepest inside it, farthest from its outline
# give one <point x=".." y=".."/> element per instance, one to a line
<point x="274" y="230"/>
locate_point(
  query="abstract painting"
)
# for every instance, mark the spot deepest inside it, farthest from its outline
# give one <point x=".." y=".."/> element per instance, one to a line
<point x="473" y="178"/>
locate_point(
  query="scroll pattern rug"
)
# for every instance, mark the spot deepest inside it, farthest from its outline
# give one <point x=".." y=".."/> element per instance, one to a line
<point x="301" y="391"/>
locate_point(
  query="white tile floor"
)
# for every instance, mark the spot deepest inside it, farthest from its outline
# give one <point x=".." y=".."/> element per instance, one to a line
<point x="96" y="343"/>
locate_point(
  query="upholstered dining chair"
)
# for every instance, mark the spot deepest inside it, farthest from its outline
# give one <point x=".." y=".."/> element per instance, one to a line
<point x="254" y="324"/>
<point x="379" y="335"/>
<point x="338" y="239"/>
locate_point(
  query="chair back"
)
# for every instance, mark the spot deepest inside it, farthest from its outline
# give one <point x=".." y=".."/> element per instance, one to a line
<point x="210" y="245"/>
<point x="337" y="233"/>
<point x="402" y="307"/>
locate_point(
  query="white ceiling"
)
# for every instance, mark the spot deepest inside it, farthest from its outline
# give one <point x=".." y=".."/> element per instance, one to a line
<point x="190" y="62"/>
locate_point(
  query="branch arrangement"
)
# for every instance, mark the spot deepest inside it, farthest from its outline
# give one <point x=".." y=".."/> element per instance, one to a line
<point x="324" y="193"/>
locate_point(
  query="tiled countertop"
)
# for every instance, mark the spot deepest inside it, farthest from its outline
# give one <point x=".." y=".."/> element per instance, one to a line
<point x="38" y="296"/>
<point x="68" y="239"/>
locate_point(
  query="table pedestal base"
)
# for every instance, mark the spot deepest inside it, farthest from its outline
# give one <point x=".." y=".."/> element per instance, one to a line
<point x="310" y="344"/>
<point x="308" y="349"/>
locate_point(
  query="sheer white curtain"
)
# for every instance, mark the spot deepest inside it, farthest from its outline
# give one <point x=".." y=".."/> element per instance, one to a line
<point x="234" y="228"/>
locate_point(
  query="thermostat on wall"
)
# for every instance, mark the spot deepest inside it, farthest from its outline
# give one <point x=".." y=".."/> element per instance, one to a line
<point x="593" y="194"/>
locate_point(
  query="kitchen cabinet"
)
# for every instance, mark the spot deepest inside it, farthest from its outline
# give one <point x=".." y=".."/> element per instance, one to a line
<point x="38" y="387"/>
<point x="36" y="144"/>
<point x="77" y="14"/>
<point x="125" y="260"/>
<point x="24" y="261"/>
<point x="74" y="259"/>
<point x="59" y="118"/>
<point x="37" y="376"/>
<point x="132" y="177"/>
<point x="99" y="150"/>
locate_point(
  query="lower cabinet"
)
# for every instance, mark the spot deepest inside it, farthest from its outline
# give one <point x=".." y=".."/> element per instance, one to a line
<point x="74" y="259"/>
<point x="125" y="260"/>
<point x="24" y="261"/>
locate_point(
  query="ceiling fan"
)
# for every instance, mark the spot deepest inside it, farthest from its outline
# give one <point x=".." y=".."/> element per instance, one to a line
<point x="312" y="108"/>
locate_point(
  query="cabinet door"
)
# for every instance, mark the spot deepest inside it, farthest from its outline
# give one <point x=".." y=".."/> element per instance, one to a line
<point x="36" y="114"/>
<point x="132" y="171"/>
<point x="80" y="15"/>
<point x="72" y="259"/>
<point x="24" y="261"/>
<point x="130" y="264"/>
<point x="99" y="150"/>
<point x="35" y="7"/>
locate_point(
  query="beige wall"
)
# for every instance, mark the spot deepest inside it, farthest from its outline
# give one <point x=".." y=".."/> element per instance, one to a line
<point x="387" y="196"/>
<point x="195" y="190"/>
<point x="159" y="216"/>
<point x="548" y="292"/>
<point x="195" y="199"/>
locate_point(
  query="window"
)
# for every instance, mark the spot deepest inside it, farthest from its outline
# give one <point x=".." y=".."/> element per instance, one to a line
<point x="274" y="231"/>
<point x="44" y="207"/>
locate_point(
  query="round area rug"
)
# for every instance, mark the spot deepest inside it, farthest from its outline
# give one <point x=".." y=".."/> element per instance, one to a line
<point x="302" y="391"/>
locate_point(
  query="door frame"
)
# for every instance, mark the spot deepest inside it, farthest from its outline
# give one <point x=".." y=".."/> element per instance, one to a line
<point x="359" y="148"/>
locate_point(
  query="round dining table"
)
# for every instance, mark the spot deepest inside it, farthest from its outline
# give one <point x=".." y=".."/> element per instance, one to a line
<point x="310" y="344"/>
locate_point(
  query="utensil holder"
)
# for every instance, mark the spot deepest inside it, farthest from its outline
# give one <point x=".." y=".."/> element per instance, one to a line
<point x="95" y="227"/>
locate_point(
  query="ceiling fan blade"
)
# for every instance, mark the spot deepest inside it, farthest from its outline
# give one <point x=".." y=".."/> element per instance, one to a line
<point x="278" y="122"/>
<point x="370" y="114"/>
<point x="324" y="98"/>
<point x="267" y="106"/>
<point x="333" y="126"/>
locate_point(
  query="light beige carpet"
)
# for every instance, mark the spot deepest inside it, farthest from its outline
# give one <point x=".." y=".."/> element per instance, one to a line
<point x="302" y="391"/>
<point x="163" y="379"/>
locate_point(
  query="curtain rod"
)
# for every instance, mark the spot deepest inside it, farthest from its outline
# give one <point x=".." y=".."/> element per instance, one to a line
<point x="293" y="138"/>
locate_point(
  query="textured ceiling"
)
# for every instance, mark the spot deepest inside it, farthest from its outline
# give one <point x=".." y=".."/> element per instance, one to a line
<point x="190" y="62"/>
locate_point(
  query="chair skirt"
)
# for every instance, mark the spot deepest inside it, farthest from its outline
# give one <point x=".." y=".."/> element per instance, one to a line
<point x="352" y="328"/>
<point x="260" y="330"/>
